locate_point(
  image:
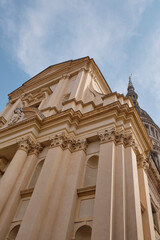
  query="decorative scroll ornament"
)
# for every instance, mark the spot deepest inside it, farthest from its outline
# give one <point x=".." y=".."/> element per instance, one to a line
<point x="68" y="143"/>
<point x="142" y="162"/>
<point x="16" y="116"/>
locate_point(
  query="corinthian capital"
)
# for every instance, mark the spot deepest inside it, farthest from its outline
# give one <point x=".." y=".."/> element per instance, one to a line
<point x="142" y="162"/>
<point x="107" y="136"/>
<point x="59" y="140"/>
<point x="66" y="142"/>
<point x="79" y="145"/>
<point x="24" y="144"/>
<point x="35" y="148"/>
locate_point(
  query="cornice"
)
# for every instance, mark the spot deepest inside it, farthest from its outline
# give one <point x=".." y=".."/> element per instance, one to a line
<point x="114" y="110"/>
<point x="30" y="123"/>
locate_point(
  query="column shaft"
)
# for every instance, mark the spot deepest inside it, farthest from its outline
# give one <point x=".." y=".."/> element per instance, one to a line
<point x="9" y="178"/>
<point x="134" y="230"/>
<point x="103" y="208"/>
<point x="14" y="198"/>
<point x="119" y="221"/>
<point x="66" y="211"/>
<point x="37" y="210"/>
<point x="147" y="219"/>
<point x="54" y="201"/>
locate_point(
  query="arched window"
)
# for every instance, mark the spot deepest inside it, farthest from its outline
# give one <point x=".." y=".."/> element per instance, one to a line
<point x="36" y="174"/>
<point x="91" y="171"/>
<point x="84" y="233"/>
<point x="13" y="233"/>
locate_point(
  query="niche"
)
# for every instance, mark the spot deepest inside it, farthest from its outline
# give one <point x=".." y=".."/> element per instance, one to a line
<point x="84" y="233"/>
<point x="36" y="174"/>
<point x="13" y="233"/>
<point x="91" y="171"/>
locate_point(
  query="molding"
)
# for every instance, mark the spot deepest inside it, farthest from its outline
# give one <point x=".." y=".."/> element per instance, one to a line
<point x="36" y="96"/>
<point x="26" y="193"/>
<point x="86" y="191"/>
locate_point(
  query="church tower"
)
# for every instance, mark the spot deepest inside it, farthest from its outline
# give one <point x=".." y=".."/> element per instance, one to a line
<point x="75" y="160"/>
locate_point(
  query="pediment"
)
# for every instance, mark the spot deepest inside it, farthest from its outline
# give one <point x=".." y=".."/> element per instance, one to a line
<point x="54" y="73"/>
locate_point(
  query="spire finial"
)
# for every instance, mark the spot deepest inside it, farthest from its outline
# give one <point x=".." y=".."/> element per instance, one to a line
<point x="130" y="77"/>
<point x="130" y="84"/>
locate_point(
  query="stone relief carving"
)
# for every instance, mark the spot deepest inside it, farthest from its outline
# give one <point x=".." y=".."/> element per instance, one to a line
<point x="68" y="143"/>
<point x="36" y="97"/>
<point x="16" y="116"/>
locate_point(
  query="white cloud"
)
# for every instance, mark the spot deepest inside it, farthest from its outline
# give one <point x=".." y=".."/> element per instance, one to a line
<point x="44" y="32"/>
<point x="50" y="31"/>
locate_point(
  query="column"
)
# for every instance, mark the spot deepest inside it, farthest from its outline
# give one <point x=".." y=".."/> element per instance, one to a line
<point x="103" y="208"/>
<point x="54" y="201"/>
<point x="10" y="177"/>
<point x="147" y="218"/>
<point x="38" y="205"/>
<point x="14" y="198"/>
<point x="134" y="230"/>
<point x="64" y="222"/>
<point x="119" y="209"/>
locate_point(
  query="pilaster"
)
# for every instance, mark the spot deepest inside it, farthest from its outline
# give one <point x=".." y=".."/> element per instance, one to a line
<point x="147" y="218"/>
<point x="103" y="207"/>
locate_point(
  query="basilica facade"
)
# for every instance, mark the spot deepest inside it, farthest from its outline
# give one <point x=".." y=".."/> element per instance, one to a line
<point x="78" y="161"/>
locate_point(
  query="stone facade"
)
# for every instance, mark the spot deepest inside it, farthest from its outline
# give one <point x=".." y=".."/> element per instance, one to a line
<point x="75" y="161"/>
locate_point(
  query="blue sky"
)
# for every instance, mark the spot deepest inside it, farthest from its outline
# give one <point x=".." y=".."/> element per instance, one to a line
<point x="123" y="37"/>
